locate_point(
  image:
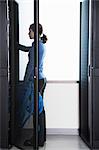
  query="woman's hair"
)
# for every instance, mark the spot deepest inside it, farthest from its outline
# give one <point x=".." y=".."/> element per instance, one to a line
<point x="43" y="37"/>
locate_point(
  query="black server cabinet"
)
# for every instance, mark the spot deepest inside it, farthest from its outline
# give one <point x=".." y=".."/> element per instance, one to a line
<point x="95" y="71"/>
<point x="89" y="73"/>
<point x="9" y="66"/>
<point x="10" y="133"/>
<point x="4" y="116"/>
<point x="13" y="66"/>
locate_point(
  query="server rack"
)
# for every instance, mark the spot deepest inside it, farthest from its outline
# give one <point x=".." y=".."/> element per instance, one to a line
<point x="4" y="85"/>
<point x="13" y="65"/>
<point x="89" y="73"/>
<point x="9" y="76"/>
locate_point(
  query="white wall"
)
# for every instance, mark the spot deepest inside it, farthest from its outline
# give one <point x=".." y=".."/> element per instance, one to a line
<point x="61" y="105"/>
<point x="61" y="21"/>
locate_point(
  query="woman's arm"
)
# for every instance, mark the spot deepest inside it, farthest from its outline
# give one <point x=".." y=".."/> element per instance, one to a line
<point x="23" y="48"/>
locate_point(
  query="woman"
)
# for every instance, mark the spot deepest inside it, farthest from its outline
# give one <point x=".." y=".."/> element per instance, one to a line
<point x="29" y="74"/>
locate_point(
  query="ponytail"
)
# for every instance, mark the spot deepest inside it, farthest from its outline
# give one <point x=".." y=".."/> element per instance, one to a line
<point x="44" y="38"/>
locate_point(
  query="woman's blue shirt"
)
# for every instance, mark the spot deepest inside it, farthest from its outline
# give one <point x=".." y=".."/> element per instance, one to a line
<point x="30" y="66"/>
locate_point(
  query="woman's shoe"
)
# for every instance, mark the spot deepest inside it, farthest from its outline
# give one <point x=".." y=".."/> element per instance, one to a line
<point x="29" y="142"/>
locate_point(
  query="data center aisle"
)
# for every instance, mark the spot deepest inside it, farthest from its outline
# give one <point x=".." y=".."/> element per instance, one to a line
<point x="62" y="142"/>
